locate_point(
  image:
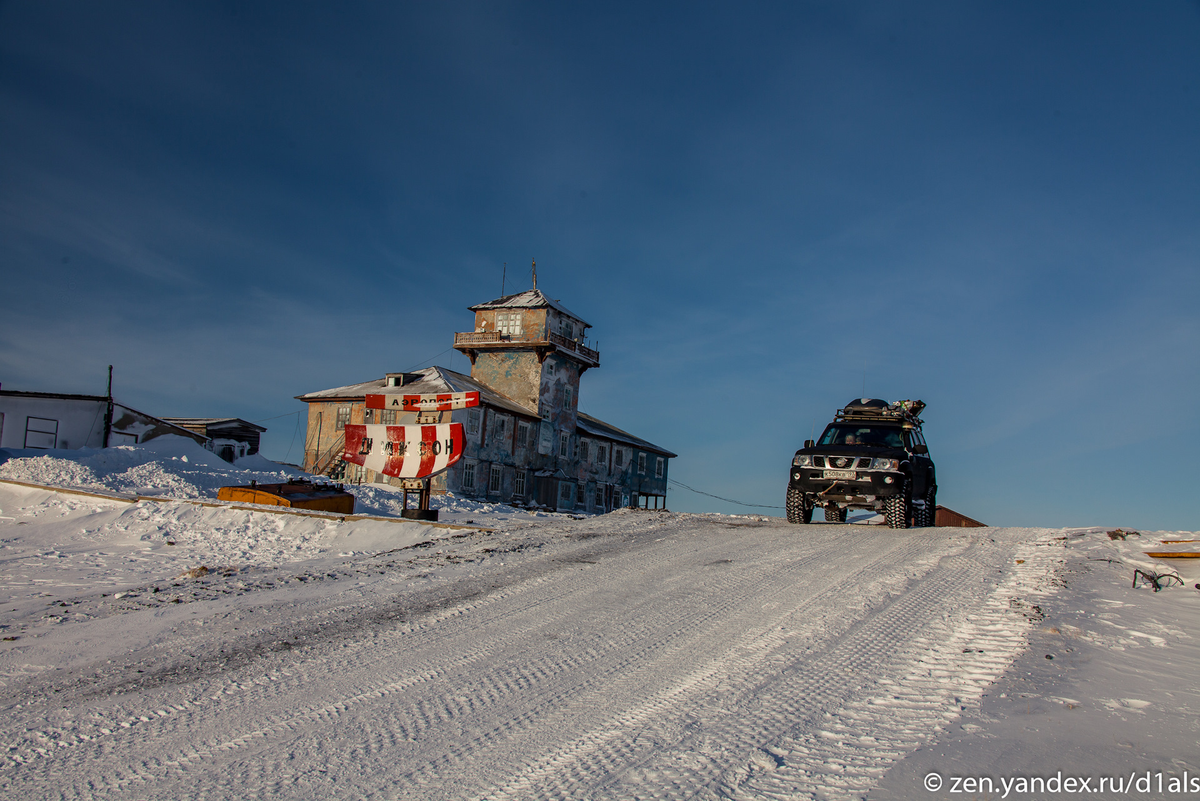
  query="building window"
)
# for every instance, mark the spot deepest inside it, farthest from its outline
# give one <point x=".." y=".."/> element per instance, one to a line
<point x="501" y="426"/>
<point x="473" y="421"/>
<point x="509" y="323"/>
<point x="619" y="456"/>
<point x="566" y="495"/>
<point x="658" y="467"/>
<point x="564" y="444"/>
<point x="601" y="454"/>
<point x="600" y="498"/>
<point x="567" y="393"/>
<point x="519" y="485"/>
<point x="387" y="417"/>
<point x="641" y="463"/>
<point x="343" y="417"/>
<point x="583" y="449"/>
<point x="468" y="476"/>
<point x="522" y="435"/>
<point x="497" y="476"/>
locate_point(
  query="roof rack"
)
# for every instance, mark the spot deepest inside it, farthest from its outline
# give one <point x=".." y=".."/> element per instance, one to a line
<point x="874" y="409"/>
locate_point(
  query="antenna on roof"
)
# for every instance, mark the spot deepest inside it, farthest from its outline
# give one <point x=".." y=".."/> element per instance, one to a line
<point x="503" y="278"/>
<point x="535" y="273"/>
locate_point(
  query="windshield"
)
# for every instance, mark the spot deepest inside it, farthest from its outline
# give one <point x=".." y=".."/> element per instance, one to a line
<point x="853" y="434"/>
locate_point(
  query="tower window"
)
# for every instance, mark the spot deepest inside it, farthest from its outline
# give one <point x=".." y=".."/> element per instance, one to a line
<point x="343" y="417"/>
<point x="508" y="323"/>
<point x="564" y="444"/>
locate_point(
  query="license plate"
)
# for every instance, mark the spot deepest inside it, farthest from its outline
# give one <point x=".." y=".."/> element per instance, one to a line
<point x="842" y="474"/>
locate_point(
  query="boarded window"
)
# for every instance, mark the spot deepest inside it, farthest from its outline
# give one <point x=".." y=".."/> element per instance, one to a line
<point x="496" y="478"/>
<point x="343" y="417"/>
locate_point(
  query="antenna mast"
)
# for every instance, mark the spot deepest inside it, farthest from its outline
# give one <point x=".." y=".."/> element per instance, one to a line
<point x="535" y="273"/>
<point x="503" y="278"/>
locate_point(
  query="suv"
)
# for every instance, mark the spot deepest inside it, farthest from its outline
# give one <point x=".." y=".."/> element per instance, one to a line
<point x="872" y="456"/>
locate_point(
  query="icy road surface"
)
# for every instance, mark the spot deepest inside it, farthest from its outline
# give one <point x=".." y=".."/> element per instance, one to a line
<point x="634" y="655"/>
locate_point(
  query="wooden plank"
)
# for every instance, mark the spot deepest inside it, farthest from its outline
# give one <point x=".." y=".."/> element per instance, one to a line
<point x="1173" y="554"/>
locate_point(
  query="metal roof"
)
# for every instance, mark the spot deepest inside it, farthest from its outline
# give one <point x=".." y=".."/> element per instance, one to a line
<point x="435" y="380"/>
<point x="590" y="425"/>
<point x="212" y="422"/>
<point x="532" y="299"/>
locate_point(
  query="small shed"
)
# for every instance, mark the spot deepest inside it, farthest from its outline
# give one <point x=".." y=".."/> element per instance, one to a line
<point x="230" y="438"/>
<point x="296" y="494"/>
<point x="951" y="518"/>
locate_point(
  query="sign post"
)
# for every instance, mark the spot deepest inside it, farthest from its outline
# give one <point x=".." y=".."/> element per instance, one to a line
<point x="422" y="443"/>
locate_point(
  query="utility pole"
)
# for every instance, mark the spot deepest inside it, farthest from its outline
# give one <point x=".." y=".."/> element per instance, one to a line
<point x="108" y="414"/>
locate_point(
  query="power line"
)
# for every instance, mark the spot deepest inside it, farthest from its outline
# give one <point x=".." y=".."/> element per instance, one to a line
<point x="277" y="416"/>
<point x="719" y="498"/>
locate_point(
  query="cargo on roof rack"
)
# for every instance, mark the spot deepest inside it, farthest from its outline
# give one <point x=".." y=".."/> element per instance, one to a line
<point x="875" y="408"/>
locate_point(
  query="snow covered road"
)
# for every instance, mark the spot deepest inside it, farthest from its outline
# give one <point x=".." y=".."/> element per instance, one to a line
<point x="635" y="655"/>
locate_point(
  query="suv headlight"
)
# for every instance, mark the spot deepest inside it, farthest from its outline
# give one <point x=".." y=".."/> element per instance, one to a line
<point x="802" y="461"/>
<point x="885" y="464"/>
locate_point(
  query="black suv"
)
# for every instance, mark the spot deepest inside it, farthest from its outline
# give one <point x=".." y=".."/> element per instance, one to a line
<point x="872" y="456"/>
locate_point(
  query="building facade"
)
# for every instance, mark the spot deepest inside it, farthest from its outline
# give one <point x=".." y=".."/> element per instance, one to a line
<point x="51" y="420"/>
<point x="527" y="443"/>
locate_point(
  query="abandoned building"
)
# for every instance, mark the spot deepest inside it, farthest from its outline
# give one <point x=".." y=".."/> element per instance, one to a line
<point x="231" y="438"/>
<point x="527" y="442"/>
<point x="50" y="420"/>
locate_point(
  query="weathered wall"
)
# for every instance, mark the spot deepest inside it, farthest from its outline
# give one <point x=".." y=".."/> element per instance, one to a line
<point x="516" y="374"/>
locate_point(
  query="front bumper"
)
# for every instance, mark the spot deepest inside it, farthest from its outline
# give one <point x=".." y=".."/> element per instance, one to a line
<point x="865" y="487"/>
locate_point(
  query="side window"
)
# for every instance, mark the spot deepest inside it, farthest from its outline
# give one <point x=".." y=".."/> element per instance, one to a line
<point x="601" y="454"/>
<point x="343" y="417"/>
<point x="522" y="438"/>
<point x="583" y="449"/>
<point x="468" y="476"/>
<point x="519" y="484"/>
<point x="564" y="444"/>
<point x="472" y="421"/>
<point x="619" y="456"/>
<point x="641" y="463"/>
<point x="497" y="476"/>
<point x="658" y="468"/>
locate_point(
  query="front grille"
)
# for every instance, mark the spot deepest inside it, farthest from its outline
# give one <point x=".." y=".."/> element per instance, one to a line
<point x="818" y="461"/>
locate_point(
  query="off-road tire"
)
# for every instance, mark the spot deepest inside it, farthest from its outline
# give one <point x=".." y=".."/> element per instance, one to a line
<point x="896" y="508"/>
<point x="799" y="506"/>
<point x="835" y="515"/>
<point x="927" y="517"/>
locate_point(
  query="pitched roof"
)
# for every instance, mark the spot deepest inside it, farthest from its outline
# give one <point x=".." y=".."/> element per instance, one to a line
<point x="440" y="380"/>
<point x="590" y="425"/>
<point x="213" y="422"/>
<point x="532" y="299"/>
<point x="434" y="380"/>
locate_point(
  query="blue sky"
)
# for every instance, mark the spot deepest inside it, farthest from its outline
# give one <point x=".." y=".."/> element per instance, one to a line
<point x="761" y="208"/>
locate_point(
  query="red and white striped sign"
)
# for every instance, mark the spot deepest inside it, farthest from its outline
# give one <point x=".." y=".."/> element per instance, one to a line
<point x="442" y="402"/>
<point x="404" y="451"/>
